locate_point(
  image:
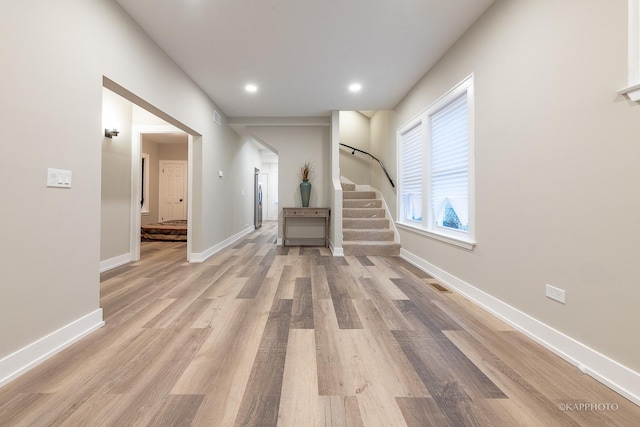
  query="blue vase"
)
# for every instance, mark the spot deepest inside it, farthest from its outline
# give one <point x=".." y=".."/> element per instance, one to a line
<point x="305" y="192"/>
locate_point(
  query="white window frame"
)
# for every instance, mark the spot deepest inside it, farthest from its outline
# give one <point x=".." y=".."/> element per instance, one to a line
<point x="464" y="239"/>
<point x="633" y="82"/>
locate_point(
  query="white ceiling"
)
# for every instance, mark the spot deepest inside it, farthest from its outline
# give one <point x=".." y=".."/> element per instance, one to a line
<point x="303" y="54"/>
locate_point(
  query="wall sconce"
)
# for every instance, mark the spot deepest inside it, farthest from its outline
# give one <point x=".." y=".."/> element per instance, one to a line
<point x="110" y="133"/>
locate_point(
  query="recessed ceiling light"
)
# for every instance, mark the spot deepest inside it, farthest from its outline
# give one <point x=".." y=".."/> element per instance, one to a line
<point x="355" y="87"/>
<point x="251" y="88"/>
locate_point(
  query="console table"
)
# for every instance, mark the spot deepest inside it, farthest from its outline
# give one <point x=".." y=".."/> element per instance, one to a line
<point x="305" y="215"/>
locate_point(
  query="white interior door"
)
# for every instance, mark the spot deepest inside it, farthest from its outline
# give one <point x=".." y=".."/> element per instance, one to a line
<point x="173" y="190"/>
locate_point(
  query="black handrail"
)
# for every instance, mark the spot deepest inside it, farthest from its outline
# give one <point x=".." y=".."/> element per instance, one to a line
<point x="374" y="158"/>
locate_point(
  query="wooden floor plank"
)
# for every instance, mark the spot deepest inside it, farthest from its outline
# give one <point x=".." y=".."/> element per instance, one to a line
<point x="149" y="390"/>
<point x="422" y="412"/>
<point x="286" y="283"/>
<point x="365" y="261"/>
<point x="15" y="409"/>
<point x="392" y="316"/>
<point x="381" y="353"/>
<point x="219" y="299"/>
<point x="222" y="367"/>
<point x="448" y="394"/>
<point x="177" y="410"/>
<point x="299" y="403"/>
<point x="342" y="300"/>
<point x="457" y="303"/>
<point x="329" y="359"/>
<point x="226" y="357"/>
<point x="256" y="278"/>
<point x="340" y="411"/>
<point x="422" y="297"/>
<point x="319" y="285"/>
<point x="302" y="309"/>
<point x="387" y="286"/>
<point x="96" y="410"/>
<point x="346" y="313"/>
<point x="227" y="284"/>
<point x="538" y="405"/>
<point x="261" y="398"/>
<point x="181" y="312"/>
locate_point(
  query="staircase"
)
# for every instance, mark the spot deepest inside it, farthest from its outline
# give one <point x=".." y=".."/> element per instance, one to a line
<point x="365" y="228"/>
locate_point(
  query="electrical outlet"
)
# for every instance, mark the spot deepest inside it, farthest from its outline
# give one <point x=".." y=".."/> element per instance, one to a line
<point x="555" y="293"/>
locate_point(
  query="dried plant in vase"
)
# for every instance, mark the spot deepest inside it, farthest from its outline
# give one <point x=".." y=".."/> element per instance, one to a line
<point x="305" y="186"/>
<point x="306" y="170"/>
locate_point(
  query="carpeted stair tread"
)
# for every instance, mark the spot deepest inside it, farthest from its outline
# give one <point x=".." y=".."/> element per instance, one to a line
<point x="360" y="223"/>
<point x="370" y="234"/>
<point x="362" y="203"/>
<point x="358" y="194"/>
<point x="364" y="248"/>
<point x="363" y="213"/>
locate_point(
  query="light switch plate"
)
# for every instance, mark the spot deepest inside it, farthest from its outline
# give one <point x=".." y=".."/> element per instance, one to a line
<point x="58" y="178"/>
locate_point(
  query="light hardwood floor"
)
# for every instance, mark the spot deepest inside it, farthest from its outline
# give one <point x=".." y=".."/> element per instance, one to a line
<point x="261" y="335"/>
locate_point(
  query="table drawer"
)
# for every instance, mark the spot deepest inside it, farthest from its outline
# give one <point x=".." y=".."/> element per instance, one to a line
<point x="317" y="212"/>
<point x="294" y="212"/>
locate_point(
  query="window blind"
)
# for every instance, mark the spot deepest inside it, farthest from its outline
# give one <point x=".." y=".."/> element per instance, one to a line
<point x="411" y="173"/>
<point x="450" y="165"/>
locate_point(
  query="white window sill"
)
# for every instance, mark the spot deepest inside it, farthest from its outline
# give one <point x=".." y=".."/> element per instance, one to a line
<point x="145" y="213"/>
<point x="455" y="241"/>
<point x="633" y="92"/>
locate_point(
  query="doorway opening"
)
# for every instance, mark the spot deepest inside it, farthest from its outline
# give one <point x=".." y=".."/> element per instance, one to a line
<point x="131" y="174"/>
<point x="164" y="188"/>
<point x="266" y="181"/>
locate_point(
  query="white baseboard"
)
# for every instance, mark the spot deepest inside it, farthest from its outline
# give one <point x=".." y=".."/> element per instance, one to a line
<point x="199" y="257"/>
<point x="111" y="263"/>
<point x="602" y="368"/>
<point x="336" y="251"/>
<point x="16" y="364"/>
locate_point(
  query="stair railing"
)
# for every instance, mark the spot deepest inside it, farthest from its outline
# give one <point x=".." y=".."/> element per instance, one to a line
<point x="354" y="149"/>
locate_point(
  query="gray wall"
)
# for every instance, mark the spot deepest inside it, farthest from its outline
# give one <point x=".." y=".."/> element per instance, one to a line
<point x="383" y="144"/>
<point x="557" y="154"/>
<point x="355" y="131"/>
<point x="52" y="95"/>
<point x="115" y="216"/>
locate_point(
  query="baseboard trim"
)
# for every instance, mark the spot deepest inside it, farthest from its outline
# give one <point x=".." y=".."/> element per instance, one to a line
<point x="200" y="257"/>
<point x="111" y="263"/>
<point x="614" y="375"/>
<point x="16" y="364"/>
<point x="336" y="250"/>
